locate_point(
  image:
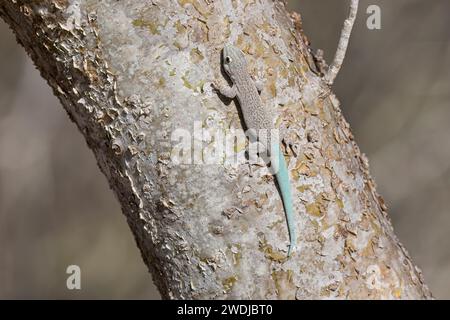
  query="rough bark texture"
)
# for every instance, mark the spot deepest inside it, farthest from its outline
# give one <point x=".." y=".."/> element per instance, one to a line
<point x="129" y="73"/>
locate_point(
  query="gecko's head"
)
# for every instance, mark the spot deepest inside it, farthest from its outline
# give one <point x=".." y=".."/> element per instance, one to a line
<point x="233" y="60"/>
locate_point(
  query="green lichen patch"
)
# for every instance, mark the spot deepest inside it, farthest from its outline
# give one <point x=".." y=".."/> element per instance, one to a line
<point x="150" y="25"/>
<point x="196" y="87"/>
<point x="319" y="207"/>
<point x="270" y="253"/>
<point x="228" y="283"/>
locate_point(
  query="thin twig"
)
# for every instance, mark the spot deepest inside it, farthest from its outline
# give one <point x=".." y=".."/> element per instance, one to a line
<point x="336" y="65"/>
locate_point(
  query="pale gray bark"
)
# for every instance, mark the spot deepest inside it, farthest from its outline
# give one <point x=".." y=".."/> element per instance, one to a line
<point x="129" y="73"/>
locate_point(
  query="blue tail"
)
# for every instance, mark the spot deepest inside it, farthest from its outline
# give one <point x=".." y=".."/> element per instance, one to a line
<point x="282" y="176"/>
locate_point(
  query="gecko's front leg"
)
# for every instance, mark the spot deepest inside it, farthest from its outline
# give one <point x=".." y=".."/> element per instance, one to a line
<point x="226" y="91"/>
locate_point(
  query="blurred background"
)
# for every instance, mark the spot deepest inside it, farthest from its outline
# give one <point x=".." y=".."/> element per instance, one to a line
<point x="56" y="208"/>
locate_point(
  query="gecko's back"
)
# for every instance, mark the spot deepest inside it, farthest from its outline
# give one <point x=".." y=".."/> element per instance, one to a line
<point x="256" y="116"/>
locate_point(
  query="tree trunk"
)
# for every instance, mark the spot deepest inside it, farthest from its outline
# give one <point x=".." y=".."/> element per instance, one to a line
<point x="131" y="74"/>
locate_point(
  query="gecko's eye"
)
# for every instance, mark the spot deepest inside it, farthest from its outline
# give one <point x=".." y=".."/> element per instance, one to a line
<point x="227" y="59"/>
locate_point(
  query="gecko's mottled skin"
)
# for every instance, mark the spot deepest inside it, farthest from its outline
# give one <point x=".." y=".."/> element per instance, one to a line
<point x="257" y="117"/>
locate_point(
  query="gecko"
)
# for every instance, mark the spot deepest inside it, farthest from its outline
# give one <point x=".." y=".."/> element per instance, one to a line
<point x="256" y="118"/>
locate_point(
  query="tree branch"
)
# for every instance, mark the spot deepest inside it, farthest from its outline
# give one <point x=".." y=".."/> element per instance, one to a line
<point x="339" y="57"/>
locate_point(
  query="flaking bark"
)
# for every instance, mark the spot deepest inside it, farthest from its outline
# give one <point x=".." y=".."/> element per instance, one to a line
<point x="129" y="73"/>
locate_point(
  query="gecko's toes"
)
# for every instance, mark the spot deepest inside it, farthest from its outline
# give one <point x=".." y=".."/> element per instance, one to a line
<point x="215" y="87"/>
